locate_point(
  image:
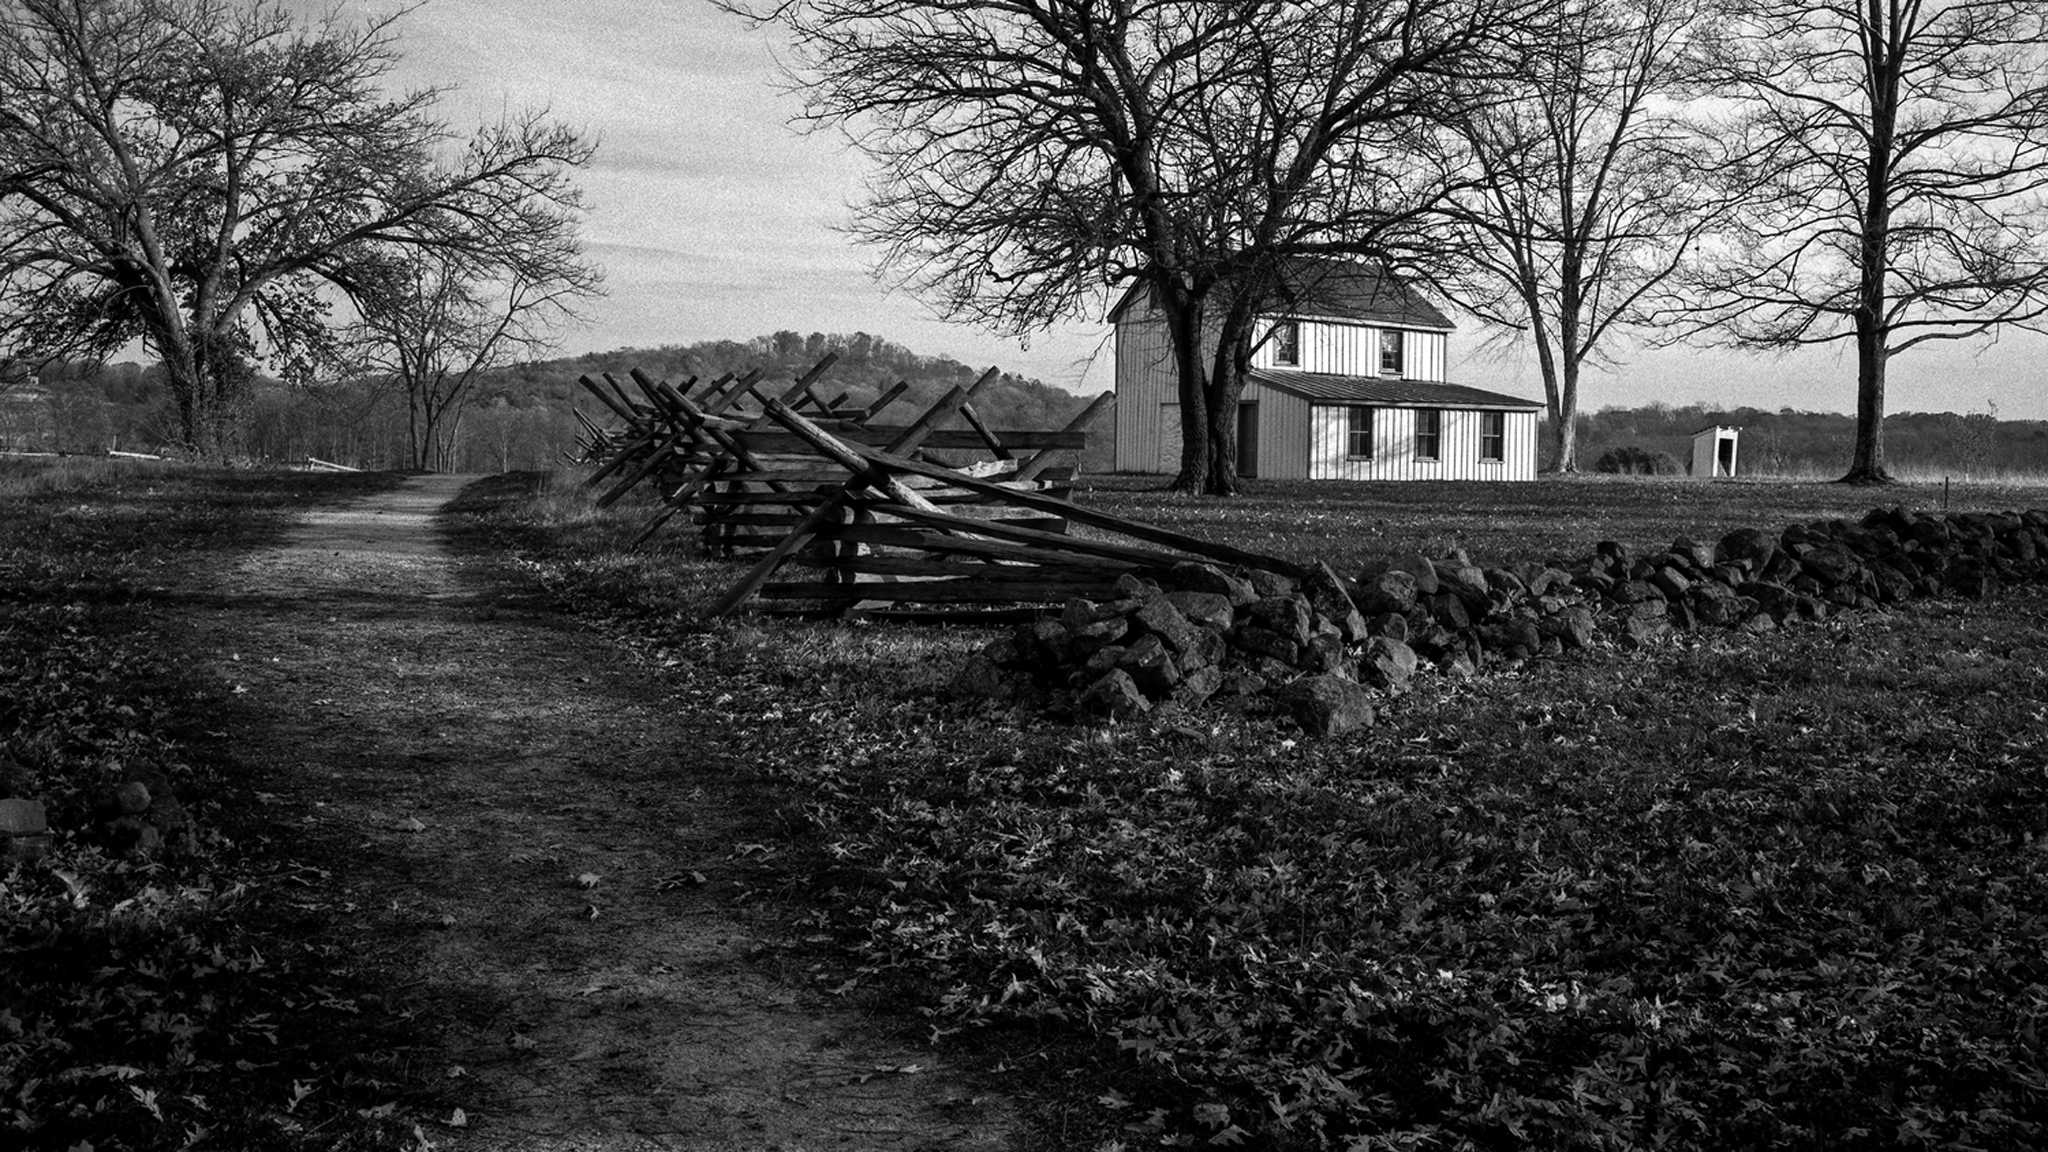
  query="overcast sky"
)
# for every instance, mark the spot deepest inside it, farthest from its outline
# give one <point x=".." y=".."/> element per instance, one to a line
<point x="714" y="219"/>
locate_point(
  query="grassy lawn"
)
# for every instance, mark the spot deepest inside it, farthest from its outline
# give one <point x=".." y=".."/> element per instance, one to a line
<point x="161" y="1002"/>
<point x="1723" y="892"/>
<point x="1548" y="518"/>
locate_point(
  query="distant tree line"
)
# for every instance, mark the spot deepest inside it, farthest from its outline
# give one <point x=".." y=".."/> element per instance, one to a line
<point x="520" y="417"/>
<point x="1921" y="445"/>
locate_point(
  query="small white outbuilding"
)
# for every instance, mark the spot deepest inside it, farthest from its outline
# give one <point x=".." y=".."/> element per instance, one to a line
<point x="1713" y="451"/>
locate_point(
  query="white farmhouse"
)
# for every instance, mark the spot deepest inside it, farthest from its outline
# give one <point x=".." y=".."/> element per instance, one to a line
<point x="1347" y="383"/>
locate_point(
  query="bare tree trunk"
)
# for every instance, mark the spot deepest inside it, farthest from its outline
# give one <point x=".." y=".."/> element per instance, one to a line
<point x="1226" y="389"/>
<point x="1184" y="330"/>
<point x="210" y="382"/>
<point x="1867" y="466"/>
<point x="1565" y="437"/>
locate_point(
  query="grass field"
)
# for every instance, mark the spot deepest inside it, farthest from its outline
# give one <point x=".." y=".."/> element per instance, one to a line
<point x="1551" y="517"/>
<point x="1727" y="892"/>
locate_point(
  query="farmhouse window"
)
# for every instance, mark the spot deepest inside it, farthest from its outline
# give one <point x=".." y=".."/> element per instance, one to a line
<point x="1493" y="437"/>
<point x="1358" y="432"/>
<point x="1429" y="432"/>
<point x="1390" y="351"/>
<point x="1287" y="342"/>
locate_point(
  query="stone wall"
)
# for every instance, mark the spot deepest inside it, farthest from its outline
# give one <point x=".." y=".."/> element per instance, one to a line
<point x="1326" y="648"/>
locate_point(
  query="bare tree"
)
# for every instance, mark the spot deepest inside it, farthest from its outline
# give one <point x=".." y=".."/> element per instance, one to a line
<point x="1032" y="153"/>
<point x="436" y="320"/>
<point x="1899" y="151"/>
<point x="205" y="175"/>
<point x="1589" y="191"/>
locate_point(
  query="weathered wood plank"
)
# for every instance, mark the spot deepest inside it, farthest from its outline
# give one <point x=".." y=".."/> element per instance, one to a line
<point x="1025" y="573"/>
<point x="1141" y="557"/>
<point x="938" y="591"/>
<point x="945" y="439"/>
<point x="1082" y="514"/>
<point x="883" y="401"/>
<point x="1042" y="462"/>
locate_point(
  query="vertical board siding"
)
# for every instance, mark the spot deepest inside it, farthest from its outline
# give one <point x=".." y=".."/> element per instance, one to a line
<point x="1338" y="349"/>
<point x="1166" y="453"/>
<point x="1393" y="456"/>
<point x="1354" y="350"/>
<point x="1423" y="355"/>
<point x="1283" y="432"/>
<point x="1145" y="378"/>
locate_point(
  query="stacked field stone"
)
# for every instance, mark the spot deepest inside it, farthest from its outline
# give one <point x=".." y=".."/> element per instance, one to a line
<point x="1324" y="647"/>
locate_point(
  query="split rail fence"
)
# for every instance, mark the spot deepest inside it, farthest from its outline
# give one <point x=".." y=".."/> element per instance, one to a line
<point x="843" y="515"/>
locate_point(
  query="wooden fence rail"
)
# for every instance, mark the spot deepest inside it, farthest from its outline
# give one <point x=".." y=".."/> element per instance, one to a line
<point x="843" y="515"/>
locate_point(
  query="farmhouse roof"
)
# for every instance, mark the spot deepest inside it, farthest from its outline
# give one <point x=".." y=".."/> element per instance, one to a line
<point x="1337" y="290"/>
<point x="1348" y="290"/>
<point x="1327" y="388"/>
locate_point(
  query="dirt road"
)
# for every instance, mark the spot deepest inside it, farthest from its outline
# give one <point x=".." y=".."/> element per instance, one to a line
<point x="544" y="841"/>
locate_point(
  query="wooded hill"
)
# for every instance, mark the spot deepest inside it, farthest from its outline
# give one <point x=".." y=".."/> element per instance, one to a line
<point x="519" y="417"/>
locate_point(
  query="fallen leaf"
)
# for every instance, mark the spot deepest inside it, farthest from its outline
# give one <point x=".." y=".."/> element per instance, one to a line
<point x="457" y="1071"/>
<point x="590" y="911"/>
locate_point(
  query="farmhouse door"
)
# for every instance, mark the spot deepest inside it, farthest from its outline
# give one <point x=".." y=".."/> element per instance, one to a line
<point x="1247" y="439"/>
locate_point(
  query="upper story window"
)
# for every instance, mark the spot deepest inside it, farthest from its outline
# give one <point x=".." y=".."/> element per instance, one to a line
<point x="1493" y="437"/>
<point x="1429" y="432"/>
<point x="1287" y="342"/>
<point x="1358" y="432"/>
<point x="1390" y="351"/>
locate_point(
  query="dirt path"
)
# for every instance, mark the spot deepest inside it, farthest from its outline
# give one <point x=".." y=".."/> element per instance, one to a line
<point x="513" y="813"/>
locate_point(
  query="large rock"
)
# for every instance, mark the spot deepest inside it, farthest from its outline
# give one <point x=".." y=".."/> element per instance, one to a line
<point x="1211" y="608"/>
<point x="1258" y="641"/>
<point x="1701" y="555"/>
<point x="1324" y="652"/>
<point x="1448" y="608"/>
<point x="1331" y="600"/>
<point x="1289" y="616"/>
<point x="1189" y="576"/>
<point x="1151" y="667"/>
<point x="1387" y="663"/>
<point x="1469" y="586"/>
<point x="1160" y="618"/>
<point x="1831" y="565"/>
<point x="1269" y="584"/>
<point x="1132" y="587"/>
<point x="1746" y="546"/>
<point x="1389" y="592"/>
<point x="1573" y="627"/>
<point x="1115" y="695"/>
<point x="1328" y="705"/>
<point x="1418" y="568"/>
<point x="1671" y="583"/>
<point x="1196" y="687"/>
